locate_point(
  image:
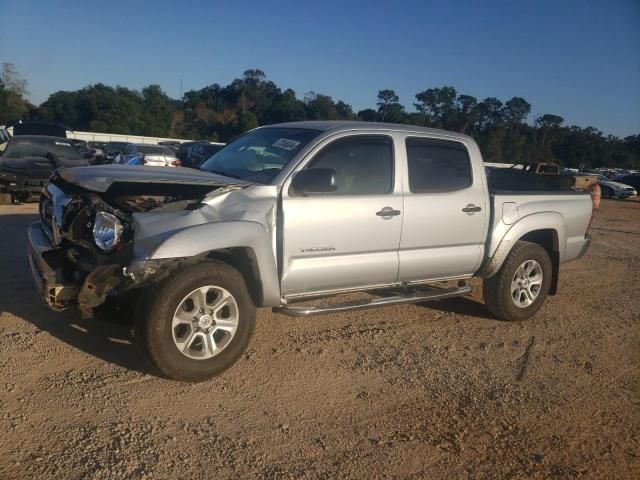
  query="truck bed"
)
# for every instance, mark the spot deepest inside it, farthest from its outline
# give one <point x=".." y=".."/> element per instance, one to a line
<point x="517" y="180"/>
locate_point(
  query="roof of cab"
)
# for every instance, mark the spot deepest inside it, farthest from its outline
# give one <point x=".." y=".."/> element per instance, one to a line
<point x="346" y="125"/>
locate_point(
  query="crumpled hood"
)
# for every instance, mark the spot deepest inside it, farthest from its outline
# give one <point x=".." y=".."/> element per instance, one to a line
<point x="100" y="178"/>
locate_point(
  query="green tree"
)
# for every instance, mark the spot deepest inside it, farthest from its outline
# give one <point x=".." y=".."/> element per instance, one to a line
<point x="368" y="115"/>
<point x="219" y="112"/>
<point x="345" y="112"/>
<point x="548" y="131"/>
<point x="548" y="121"/>
<point x="157" y="112"/>
<point x="13" y="91"/>
<point x="466" y="108"/>
<point x="490" y="113"/>
<point x="389" y="107"/>
<point x="437" y="106"/>
<point x="321" y="107"/>
<point x="516" y="111"/>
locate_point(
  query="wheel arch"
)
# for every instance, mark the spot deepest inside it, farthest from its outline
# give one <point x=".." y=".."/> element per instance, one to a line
<point x="244" y="245"/>
<point x="547" y="238"/>
<point x="546" y="229"/>
<point x="245" y="261"/>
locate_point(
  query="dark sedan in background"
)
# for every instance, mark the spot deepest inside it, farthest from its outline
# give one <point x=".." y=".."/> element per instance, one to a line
<point x="28" y="161"/>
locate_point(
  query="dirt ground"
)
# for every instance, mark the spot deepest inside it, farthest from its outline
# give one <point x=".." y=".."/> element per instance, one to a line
<point x="437" y="390"/>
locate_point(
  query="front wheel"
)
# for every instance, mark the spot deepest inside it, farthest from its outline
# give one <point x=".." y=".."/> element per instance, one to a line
<point x="521" y="285"/>
<point x="196" y="323"/>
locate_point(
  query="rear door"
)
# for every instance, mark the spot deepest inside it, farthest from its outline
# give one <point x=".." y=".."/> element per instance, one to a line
<point x="446" y="210"/>
<point x="347" y="239"/>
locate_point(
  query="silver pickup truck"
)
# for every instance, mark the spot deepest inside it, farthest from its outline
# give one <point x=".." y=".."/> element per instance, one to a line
<point x="288" y="213"/>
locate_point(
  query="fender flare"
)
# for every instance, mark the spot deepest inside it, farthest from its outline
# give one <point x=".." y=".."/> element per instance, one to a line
<point x="210" y="237"/>
<point x="499" y="249"/>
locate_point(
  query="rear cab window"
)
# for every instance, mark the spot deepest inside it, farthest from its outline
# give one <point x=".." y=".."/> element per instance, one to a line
<point x="24" y="146"/>
<point x="437" y="165"/>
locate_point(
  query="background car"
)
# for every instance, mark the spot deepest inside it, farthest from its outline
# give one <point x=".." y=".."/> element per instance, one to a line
<point x="200" y="152"/>
<point x="631" y="180"/>
<point x="29" y="160"/>
<point x="37" y="127"/>
<point x="99" y="149"/>
<point x="184" y="151"/>
<point x="113" y="149"/>
<point x="83" y="148"/>
<point x="152" y="155"/>
<point x="174" y="145"/>
<point x="611" y="189"/>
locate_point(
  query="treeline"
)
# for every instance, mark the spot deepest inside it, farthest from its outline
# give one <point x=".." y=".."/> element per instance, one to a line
<point x="220" y="113"/>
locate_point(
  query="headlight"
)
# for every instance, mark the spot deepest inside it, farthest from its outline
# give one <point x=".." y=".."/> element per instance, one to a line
<point x="107" y="231"/>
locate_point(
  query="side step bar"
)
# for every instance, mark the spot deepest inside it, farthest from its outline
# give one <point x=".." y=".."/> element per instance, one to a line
<point x="416" y="296"/>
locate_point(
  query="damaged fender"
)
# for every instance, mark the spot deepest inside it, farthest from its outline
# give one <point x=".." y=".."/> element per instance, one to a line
<point x="198" y="240"/>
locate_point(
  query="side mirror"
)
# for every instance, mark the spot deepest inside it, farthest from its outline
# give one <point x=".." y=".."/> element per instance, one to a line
<point x="314" y="180"/>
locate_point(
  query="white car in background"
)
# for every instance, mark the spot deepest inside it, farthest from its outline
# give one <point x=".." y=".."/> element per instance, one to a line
<point x="153" y="156"/>
<point x="611" y="189"/>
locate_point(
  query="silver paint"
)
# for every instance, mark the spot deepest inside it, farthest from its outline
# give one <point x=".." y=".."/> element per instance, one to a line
<point x="306" y="246"/>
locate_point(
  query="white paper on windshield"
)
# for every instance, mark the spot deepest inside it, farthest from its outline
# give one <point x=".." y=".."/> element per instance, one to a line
<point x="63" y="144"/>
<point x="285" y="144"/>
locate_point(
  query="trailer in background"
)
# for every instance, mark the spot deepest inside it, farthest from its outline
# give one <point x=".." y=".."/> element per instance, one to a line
<point x="117" y="137"/>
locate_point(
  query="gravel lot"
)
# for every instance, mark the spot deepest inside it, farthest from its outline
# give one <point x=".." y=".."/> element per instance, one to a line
<point x="437" y="390"/>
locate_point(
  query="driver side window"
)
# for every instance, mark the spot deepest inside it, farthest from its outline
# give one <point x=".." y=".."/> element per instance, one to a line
<point x="363" y="164"/>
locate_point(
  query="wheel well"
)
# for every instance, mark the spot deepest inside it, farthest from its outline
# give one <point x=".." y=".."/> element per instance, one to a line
<point x="244" y="260"/>
<point x="547" y="239"/>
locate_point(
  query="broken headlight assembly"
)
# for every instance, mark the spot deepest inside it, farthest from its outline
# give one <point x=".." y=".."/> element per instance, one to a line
<point x="107" y="231"/>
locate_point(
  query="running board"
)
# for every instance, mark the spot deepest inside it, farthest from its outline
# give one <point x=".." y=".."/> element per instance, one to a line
<point x="417" y="296"/>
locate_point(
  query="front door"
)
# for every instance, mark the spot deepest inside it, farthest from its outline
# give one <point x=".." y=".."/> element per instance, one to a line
<point x="349" y="238"/>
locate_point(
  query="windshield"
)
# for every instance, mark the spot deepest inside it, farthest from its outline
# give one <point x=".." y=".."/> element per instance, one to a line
<point x="259" y="155"/>
<point x="20" y="147"/>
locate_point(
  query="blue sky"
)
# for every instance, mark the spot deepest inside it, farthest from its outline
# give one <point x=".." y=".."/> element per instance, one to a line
<point x="577" y="59"/>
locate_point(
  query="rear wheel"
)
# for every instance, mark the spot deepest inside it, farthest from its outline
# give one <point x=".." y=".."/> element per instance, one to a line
<point x="521" y="285"/>
<point x="197" y="323"/>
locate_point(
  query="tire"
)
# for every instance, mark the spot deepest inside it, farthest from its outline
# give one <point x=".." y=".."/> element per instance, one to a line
<point x="174" y="335"/>
<point x="505" y="294"/>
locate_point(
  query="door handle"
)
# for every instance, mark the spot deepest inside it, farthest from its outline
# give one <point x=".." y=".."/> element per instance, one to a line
<point x="471" y="208"/>
<point x="388" y="212"/>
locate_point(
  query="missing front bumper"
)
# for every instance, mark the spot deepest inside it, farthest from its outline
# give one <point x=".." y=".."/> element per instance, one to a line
<point x="56" y="293"/>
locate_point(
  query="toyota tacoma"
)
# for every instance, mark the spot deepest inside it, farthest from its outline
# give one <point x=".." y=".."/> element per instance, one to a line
<point x="288" y="213"/>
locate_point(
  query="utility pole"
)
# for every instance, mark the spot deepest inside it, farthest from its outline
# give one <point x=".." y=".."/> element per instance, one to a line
<point x="181" y="89"/>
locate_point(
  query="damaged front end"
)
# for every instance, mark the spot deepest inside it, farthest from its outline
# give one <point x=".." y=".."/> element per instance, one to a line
<point x="80" y="249"/>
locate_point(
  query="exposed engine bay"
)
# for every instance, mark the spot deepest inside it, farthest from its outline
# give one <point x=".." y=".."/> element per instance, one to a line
<point x="91" y="230"/>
